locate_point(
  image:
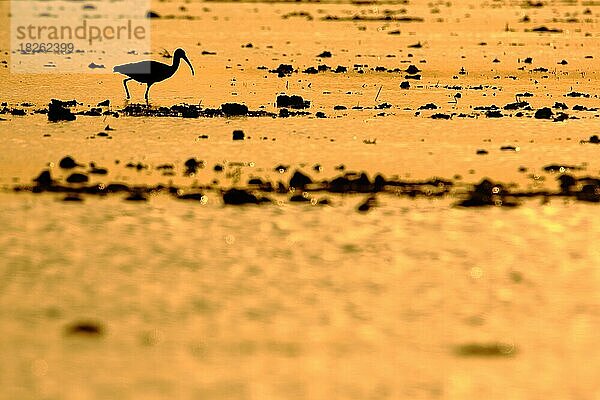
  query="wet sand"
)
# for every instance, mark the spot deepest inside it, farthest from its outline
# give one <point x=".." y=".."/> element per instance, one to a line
<point x="389" y="239"/>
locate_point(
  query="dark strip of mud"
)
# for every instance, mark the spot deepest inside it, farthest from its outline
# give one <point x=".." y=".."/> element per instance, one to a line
<point x="301" y="188"/>
<point x="296" y="106"/>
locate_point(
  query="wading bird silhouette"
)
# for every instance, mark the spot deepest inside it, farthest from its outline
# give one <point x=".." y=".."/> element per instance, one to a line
<point x="151" y="72"/>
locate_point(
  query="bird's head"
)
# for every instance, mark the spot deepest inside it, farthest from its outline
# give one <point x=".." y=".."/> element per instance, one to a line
<point x="180" y="54"/>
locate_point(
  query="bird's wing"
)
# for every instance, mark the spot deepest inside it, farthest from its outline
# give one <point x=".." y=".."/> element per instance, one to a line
<point x="141" y="67"/>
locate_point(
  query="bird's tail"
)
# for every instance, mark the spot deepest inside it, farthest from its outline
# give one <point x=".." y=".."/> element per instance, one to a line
<point x="117" y="68"/>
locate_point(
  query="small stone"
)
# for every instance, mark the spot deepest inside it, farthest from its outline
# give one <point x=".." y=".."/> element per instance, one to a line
<point x="239" y="197"/>
<point x="44" y="178"/>
<point x="299" y="180"/>
<point x="543" y="113"/>
<point x="68" y="163"/>
<point x="77" y="178"/>
<point x="294" y="101"/>
<point x="238" y="135"/>
<point x="412" y="70"/>
<point x="234" y="109"/>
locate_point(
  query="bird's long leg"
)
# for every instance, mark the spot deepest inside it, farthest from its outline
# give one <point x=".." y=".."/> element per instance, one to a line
<point x="147" y="92"/>
<point x="126" y="89"/>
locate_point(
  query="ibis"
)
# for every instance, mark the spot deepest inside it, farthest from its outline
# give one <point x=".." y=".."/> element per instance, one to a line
<point x="151" y="72"/>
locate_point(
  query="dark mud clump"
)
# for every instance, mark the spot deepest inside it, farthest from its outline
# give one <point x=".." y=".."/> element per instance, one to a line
<point x="577" y="94"/>
<point x="543" y="113"/>
<point x="238" y="135"/>
<point x="566" y="183"/>
<point x="300" y="180"/>
<point x="487" y="193"/>
<point x="137" y="196"/>
<point x="68" y="163"/>
<point x="191" y="111"/>
<point x="283" y="70"/>
<point x="239" y="197"/>
<point x="192" y="165"/>
<point x="561" y="168"/>
<point x="59" y="111"/>
<point x="428" y="106"/>
<point x="590" y="192"/>
<point x="494" y="114"/>
<point x="85" y="329"/>
<point x="77" y="178"/>
<point x="594" y="139"/>
<point x="441" y="116"/>
<point x="293" y="101"/>
<point x="72" y="198"/>
<point x="559" y="106"/>
<point x="234" y="109"/>
<point x="544" y="29"/>
<point x="299" y="198"/>
<point x="196" y="196"/>
<point x="517" y="105"/>
<point x="412" y="70"/>
<point x="152" y="15"/>
<point x="485" y="350"/>
<point x="354" y="183"/>
<point x="367" y="205"/>
<point x="44" y="179"/>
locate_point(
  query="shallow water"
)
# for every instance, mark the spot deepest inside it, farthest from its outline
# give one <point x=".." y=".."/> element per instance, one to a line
<point x="285" y="302"/>
<point x="416" y="298"/>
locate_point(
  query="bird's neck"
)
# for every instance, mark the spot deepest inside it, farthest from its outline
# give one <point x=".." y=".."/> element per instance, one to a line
<point x="176" y="62"/>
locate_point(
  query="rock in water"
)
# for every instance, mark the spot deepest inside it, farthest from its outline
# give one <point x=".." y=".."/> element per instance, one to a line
<point x="590" y="193"/>
<point x="192" y="165"/>
<point x="234" y="109"/>
<point x="57" y="111"/>
<point x="566" y="183"/>
<point x="239" y="197"/>
<point x="299" y="180"/>
<point x="77" y="178"/>
<point x="44" y="178"/>
<point x="68" y="163"/>
<point x="238" y="135"/>
<point x="412" y="69"/>
<point x="543" y="113"/>
<point x="294" y="101"/>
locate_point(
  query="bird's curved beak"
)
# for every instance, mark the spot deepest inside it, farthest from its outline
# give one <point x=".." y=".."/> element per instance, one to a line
<point x="187" y="60"/>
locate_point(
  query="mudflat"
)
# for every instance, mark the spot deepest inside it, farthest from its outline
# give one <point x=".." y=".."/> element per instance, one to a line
<point x="348" y="200"/>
